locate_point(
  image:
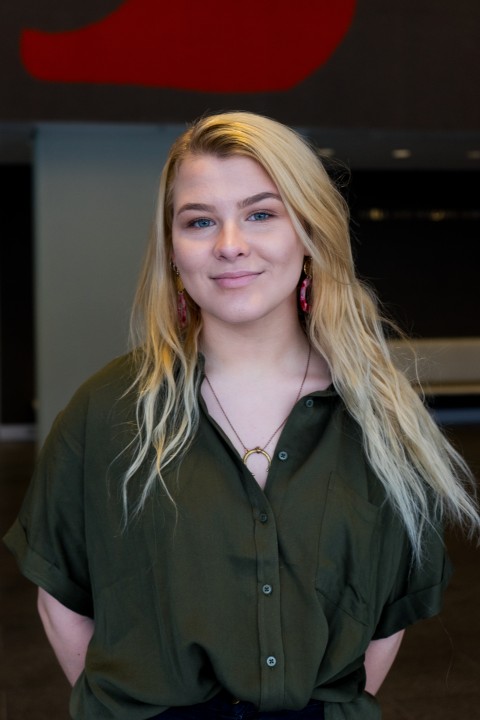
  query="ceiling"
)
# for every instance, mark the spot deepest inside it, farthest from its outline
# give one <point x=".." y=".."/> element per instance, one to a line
<point x="371" y="149"/>
<point x="367" y="149"/>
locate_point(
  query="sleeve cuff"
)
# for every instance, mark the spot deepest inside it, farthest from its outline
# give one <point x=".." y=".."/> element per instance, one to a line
<point x="42" y="573"/>
<point x="416" y="606"/>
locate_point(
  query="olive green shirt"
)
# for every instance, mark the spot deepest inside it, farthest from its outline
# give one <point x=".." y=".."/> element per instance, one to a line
<point x="271" y="594"/>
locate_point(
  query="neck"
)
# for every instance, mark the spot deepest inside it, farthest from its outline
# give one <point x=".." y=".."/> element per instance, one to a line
<point x="236" y="348"/>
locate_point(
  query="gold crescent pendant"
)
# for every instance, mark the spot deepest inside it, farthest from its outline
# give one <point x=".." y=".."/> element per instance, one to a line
<point x="257" y="451"/>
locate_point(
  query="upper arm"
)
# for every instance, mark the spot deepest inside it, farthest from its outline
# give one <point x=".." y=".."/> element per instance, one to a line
<point x="68" y="632"/>
<point x="53" y="613"/>
<point x="379" y="658"/>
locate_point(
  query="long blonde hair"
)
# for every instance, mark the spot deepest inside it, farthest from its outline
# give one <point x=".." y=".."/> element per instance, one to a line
<point x="405" y="448"/>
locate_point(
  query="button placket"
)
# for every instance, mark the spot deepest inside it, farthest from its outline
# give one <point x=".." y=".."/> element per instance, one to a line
<point x="269" y="610"/>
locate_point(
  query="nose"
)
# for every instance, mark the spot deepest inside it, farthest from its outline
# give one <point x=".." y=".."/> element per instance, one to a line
<point x="231" y="242"/>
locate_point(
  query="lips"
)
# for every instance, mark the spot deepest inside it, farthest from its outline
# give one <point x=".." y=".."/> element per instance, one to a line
<point x="236" y="279"/>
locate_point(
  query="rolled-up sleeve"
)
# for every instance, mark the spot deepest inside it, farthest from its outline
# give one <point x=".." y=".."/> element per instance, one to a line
<point x="48" y="537"/>
<point x="418" y="587"/>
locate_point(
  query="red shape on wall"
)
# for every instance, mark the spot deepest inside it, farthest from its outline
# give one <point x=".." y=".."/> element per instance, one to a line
<point x="209" y="46"/>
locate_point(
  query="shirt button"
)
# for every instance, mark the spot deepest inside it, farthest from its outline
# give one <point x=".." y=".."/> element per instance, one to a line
<point x="263" y="517"/>
<point x="267" y="589"/>
<point x="271" y="661"/>
<point x="282" y="455"/>
<point x="309" y="402"/>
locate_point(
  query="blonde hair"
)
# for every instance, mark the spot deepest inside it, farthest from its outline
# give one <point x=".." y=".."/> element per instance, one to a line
<point x="405" y="448"/>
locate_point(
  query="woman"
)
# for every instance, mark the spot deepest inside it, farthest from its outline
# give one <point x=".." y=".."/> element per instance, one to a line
<point x="240" y="518"/>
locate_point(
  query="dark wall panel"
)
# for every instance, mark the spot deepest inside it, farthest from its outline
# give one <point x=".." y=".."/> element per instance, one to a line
<point x="417" y="241"/>
<point x="16" y="296"/>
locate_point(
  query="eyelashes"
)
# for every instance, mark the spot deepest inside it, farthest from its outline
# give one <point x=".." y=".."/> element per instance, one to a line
<point x="260" y="216"/>
<point x="200" y="223"/>
<point x="204" y="222"/>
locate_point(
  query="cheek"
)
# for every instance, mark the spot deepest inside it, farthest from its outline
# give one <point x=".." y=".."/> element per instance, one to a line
<point x="183" y="257"/>
<point x="191" y="269"/>
<point x="294" y="257"/>
<point x="291" y="271"/>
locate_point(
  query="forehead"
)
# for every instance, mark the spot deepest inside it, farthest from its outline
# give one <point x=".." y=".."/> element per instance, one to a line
<point x="234" y="174"/>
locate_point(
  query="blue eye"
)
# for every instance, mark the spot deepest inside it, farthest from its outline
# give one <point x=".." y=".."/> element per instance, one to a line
<point x="259" y="216"/>
<point x="201" y="223"/>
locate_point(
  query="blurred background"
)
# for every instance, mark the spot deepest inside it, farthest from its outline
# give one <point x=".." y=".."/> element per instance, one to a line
<point x="91" y="96"/>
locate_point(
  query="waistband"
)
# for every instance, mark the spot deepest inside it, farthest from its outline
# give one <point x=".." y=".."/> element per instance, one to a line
<point x="226" y="707"/>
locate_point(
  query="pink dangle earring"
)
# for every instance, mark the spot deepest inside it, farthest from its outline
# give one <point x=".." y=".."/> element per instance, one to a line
<point x="181" y="300"/>
<point x="306" y="286"/>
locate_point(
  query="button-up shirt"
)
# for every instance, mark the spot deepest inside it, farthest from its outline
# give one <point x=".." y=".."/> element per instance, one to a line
<point x="271" y="594"/>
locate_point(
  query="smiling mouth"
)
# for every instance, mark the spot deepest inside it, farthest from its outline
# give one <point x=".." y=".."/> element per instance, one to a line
<point x="239" y="278"/>
<point x="236" y="274"/>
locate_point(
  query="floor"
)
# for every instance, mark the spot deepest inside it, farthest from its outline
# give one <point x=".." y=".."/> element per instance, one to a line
<point x="436" y="675"/>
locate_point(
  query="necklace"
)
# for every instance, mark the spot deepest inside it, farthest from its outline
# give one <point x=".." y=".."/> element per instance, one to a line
<point x="259" y="450"/>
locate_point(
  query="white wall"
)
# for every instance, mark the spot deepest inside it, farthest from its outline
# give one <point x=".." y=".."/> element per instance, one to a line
<point x="95" y="191"/>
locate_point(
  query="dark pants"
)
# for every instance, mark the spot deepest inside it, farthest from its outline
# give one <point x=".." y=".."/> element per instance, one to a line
<point x="223" y="707"/>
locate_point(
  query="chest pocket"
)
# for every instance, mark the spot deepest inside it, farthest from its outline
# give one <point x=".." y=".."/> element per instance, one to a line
<point x="348" y="551"/>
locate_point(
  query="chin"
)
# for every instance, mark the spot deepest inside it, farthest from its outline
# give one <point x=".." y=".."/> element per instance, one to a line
<point x="235" y="316"/>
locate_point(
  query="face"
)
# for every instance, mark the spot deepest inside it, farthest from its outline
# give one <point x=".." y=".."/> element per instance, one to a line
<point x="233" y="241"/>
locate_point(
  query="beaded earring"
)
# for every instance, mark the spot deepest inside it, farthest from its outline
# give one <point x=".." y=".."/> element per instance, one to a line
<point x="181" y="300"/>
<point x="306" y="286"/>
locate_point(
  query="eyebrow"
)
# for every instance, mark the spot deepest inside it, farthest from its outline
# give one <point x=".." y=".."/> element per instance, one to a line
<point x="258" y="198"/>
<point x="251" y="200"/>
<point x="195" y="206"/>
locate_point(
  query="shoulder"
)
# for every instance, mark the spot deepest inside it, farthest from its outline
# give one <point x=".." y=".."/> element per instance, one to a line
<point x="113" y="379"/>
<point x="105" y="399"/>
